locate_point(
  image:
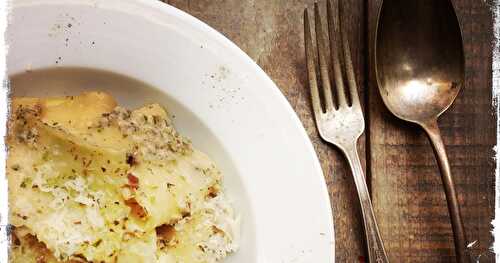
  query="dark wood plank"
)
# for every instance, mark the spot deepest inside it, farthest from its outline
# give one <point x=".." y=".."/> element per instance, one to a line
<point x="271" y="32"/>
<point x="406" y="187"/>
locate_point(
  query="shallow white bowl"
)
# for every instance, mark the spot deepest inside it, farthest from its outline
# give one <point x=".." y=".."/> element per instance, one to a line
<point x="221" y="99"/>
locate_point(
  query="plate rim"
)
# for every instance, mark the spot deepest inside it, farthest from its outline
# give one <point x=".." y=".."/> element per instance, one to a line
<point x="220" y="38"/>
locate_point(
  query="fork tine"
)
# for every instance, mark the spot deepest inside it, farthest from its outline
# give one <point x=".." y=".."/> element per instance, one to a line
<point x="323" y="65"/>
<point x="311" y="67"/>
<point x="333" y="25"/>
<point x="353" y="90"/>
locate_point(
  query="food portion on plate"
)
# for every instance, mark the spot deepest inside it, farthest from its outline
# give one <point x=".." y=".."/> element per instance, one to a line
<point x="90" y="181"/>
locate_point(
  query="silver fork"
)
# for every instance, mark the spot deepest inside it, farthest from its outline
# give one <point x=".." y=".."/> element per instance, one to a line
<point x="340" y="123"/>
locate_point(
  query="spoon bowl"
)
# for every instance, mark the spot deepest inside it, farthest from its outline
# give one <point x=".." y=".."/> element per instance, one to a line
<point x="419" y="64"/>
<point x="419" y="58"/>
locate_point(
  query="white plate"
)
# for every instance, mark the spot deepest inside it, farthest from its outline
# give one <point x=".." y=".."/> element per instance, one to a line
<point x="239" y="117"/>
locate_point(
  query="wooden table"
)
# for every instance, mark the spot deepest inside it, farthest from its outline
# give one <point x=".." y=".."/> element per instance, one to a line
<point x="400" y="166"/>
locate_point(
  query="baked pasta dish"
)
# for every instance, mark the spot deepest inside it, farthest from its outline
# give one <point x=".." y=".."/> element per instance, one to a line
<point x="90" y="181"/>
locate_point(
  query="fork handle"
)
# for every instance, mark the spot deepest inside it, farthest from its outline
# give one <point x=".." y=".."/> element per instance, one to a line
<point x="461" y="251"/>
<point x="376" y="250"/>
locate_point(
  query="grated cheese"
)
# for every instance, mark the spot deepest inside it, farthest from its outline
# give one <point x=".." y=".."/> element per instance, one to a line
<point x="101" y="191"/>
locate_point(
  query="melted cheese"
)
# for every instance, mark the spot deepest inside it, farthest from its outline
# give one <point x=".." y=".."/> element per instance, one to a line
<point x="96" y="183"/>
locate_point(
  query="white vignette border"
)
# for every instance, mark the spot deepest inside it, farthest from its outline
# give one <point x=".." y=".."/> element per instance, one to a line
<point x="496" y="103"/>
<point x="4" y="90"/>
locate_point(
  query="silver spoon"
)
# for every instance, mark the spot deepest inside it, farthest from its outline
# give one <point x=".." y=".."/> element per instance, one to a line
<point x="420" y="71"/>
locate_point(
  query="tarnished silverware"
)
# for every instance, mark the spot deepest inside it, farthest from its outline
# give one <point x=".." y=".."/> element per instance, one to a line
<point x="341" y="121"/>
<point x="420" y="71"/>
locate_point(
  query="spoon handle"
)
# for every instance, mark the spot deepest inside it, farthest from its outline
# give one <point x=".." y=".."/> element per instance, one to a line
<point x="432" y="130"/>
<point x="376" y="250"/>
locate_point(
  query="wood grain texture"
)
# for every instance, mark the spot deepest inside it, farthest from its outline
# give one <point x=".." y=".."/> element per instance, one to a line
<point x="407" y="191"/>
<point x="406" y="188"/>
